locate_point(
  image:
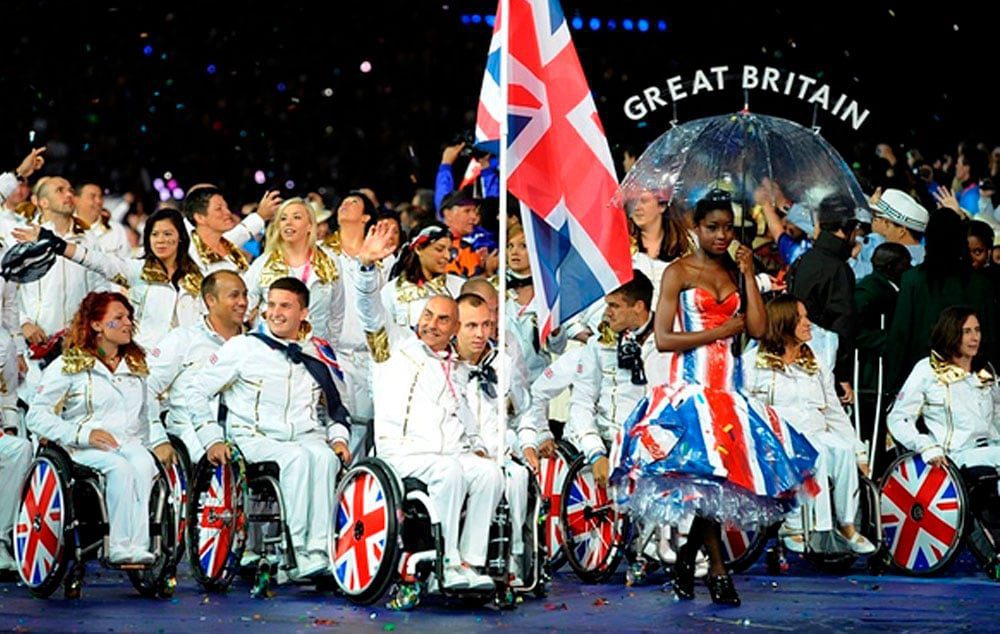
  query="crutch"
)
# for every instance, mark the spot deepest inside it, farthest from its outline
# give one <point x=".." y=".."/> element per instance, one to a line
<point x="878" y="407"/>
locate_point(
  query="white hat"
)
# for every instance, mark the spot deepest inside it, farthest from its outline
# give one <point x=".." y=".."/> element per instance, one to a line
<point x="899" y="207"/>
<point x="800" y="216"/>
<point x="320" y="211"/>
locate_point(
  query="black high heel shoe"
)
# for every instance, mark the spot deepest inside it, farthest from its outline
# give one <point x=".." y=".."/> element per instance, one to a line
<point x="722" y="590"/>
<point x="683" y="581"/>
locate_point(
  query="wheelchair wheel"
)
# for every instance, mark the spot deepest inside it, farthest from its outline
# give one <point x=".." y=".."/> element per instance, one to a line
<point x="218" y="523"/>
<point x="594" y="529"/>
<point x="159" y="579"/>
<point x="364" y="544"/>
<point x="553" y="475"/>
<point x="742" y="548"/>
<point x="179" y="476"/>
<point x="867" y="522"/>
<point x="923" y="515"/>
<point x="41" y="539"/>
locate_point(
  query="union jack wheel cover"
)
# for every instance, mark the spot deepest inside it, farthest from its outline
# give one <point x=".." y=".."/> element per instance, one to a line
<point x="361" y="522"/>
<point x="923" y="514"/>
<point x="553" y="475"/>
<point x="179" y="500"/>
<point x="221" y="522"/>
<point x="592" y="538"/>
<point x="38" y="532"/>
<point x="737" y="542"/>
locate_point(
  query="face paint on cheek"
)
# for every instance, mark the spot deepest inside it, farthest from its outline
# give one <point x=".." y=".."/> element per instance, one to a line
<point x="114" y="324"/>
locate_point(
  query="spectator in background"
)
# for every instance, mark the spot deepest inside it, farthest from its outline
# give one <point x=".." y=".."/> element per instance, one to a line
<point x="487" y="183"/>
<point x="875" y="304"/>
<point x="460" y="213"/>
<point x="946" y="278"/>
<point x="900" y="219"/>
<point x="822" y="280"/>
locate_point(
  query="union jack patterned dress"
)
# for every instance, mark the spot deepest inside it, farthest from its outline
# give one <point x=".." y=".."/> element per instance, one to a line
<point x="700" y="445"/>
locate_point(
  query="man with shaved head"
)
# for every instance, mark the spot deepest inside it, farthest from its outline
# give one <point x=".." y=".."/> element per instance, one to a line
<point x="423" y="426"/>
<point x="48" y="304"/>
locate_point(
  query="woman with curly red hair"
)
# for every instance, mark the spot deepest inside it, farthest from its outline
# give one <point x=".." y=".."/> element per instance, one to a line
<point x="92" y="401"/>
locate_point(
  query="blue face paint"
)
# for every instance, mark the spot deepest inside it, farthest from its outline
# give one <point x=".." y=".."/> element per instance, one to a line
<point x="114" y="324"/>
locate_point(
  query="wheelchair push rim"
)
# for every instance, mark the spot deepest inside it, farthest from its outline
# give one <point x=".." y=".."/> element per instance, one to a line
<point x="742" y="547"/>
<point x="923" y="510"/>
<point x="594" y="529"/>
<point x="552" y="478"/>
<point x="364" y="545"/>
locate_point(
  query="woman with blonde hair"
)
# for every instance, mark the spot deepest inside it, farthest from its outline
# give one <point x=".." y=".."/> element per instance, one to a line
<point x="291" y="251"/>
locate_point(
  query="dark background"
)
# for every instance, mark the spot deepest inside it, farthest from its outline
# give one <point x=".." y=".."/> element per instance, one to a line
<point x="225" y="90"/>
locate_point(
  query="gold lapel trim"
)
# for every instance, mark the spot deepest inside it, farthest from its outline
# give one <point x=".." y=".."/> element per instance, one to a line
<point x="76" y="360"/>
<point x="947" y="372"/>
<point x="154" y="274"/>
<point x="275" y="267"/>
<point x="407" y="291"/>
<point x="806" y="360"/>
<point x="209" y="256"/>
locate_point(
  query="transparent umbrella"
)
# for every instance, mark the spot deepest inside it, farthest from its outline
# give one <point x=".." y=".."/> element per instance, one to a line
<point x="739" y="153"/>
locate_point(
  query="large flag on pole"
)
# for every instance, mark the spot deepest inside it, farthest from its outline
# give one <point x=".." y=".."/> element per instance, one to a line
<point x="558" y="162"/>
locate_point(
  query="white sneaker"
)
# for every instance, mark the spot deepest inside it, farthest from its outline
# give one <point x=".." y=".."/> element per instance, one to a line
<point x="310" y="564"/>
<point x="131" y="556"/>
<point x="454" y="578"/>
<point x="793" y="545"/>
<point x="476" y="580"/>
<point x="860" y="545"/>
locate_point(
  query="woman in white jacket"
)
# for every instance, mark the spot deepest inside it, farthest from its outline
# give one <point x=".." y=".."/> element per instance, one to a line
<point x="955" y="392"/>
<point x="92" y="402"/>
<point x="164" y="285"/>
<point x="784" y="373"/>
<point x="292" y="251"/>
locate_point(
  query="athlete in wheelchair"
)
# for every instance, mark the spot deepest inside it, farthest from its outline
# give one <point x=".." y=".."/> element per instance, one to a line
<point x="427" y="464"/>
<point x="95" y="490"/>
<point x="783" y="372"/>
<point x="945" y="488"/>
<point x="287" y="433"/>
<point x="610" y="380"/>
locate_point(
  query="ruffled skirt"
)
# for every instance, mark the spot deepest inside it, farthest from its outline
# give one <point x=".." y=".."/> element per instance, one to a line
<point x="687" y="449"/>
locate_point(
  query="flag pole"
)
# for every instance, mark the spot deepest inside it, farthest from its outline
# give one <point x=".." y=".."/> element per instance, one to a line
<point x="503" y="378"/>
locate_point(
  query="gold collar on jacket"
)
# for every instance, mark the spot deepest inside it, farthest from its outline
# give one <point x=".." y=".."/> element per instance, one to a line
<point x="275" y="267"/>
<point x="154" y="274"/>
<point x="407" y="291"/>
<point x="806" y="360"/>
<point x="76" y="360"/>
<point x="209" y="256"/>
<point x="947" y="372"/>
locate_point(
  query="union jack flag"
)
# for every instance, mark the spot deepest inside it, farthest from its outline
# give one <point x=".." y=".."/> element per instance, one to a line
<point x="920" y="514"/>
<point x="38" y="533"/>
<point x="218" y="522"/>
<point x="553" y="475"/>
<point x="362" y="517"/>
<point x="559" y="164"/>
<point x="591" y="522"/>
<point x="326" y="354"/>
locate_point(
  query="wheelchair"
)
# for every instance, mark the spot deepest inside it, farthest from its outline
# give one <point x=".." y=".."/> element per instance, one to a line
<point x="596" y="534"/>
<point x="552" y="473"/>
<point x="387" y="539"/>
<point x="928" y="514"/>
<point x="224" y="503"/>
<point x="827" y="551"/>
<point x="178" y="477"/>
<point x="62" y="523"/>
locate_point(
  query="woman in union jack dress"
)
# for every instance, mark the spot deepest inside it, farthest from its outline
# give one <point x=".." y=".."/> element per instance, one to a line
<point x="698" y="444"/>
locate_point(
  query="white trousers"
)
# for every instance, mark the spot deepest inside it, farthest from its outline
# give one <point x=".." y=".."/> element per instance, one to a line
<point x="450" y="479"/>
<point x="15" y="460"/>
<point x="517" y="500"/>
<point x="128" y="473"/>
<point x="836" y="461"/>
<point x="977" y="457"/>
<point x="187" y="435"/>
<point x="308" y="482"/>
<point x="356" y="365"/>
